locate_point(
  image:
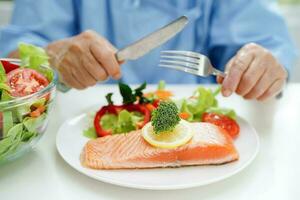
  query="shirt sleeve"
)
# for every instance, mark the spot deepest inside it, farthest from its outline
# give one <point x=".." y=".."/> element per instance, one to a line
<point x="236" y="23"/>
<point x="38" y="22"/>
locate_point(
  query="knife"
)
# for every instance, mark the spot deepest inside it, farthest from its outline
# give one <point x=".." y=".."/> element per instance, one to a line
<point x="151" y="41"/>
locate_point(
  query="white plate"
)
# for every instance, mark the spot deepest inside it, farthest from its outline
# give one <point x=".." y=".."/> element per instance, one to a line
<point x="70" y="141"/>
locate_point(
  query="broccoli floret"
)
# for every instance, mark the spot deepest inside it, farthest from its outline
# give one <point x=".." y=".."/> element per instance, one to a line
<point x="165" y="117"/>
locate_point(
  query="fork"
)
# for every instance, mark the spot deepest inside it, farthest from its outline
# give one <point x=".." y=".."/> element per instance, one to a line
<point x="190" y="62"/>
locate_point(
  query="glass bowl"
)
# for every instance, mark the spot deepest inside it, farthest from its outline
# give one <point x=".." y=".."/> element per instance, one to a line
<point x="20" y="127"/>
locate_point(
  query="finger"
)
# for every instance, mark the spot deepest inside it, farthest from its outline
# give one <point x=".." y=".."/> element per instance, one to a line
<point x="94" y="68"/>
<point x="68" y="79"/>
<point x="121" y="62"/>
<point x="273" y="90"/>
<point x="261" y="86"/>
<point x="236" y="69"/>
<point x="251" y="76"/>
<point x="220" y="79"/>
<point x="82" y="75"/>
<point x="229" y="64"/>
<point x="77" y="84"/>
<point x="105" y="55"/>
<point x="75" y="66"/>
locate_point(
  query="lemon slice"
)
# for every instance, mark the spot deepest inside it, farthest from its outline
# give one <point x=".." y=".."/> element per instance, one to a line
<point x="181" y="134"/>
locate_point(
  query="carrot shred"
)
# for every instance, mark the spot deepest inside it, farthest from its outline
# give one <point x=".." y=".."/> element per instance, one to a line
<point x="184" y="115"/>
<point x="163" y="94"/>
<point x="38" y="111"/>
<point x="150" y="107"/>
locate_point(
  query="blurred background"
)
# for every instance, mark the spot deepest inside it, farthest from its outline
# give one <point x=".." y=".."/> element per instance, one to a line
<point x="290" y="9"/>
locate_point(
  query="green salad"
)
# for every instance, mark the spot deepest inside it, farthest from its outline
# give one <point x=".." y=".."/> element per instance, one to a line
<point x="21" y="122"/>
<point x="203" y="100"/>
<point x="159" y="107"/>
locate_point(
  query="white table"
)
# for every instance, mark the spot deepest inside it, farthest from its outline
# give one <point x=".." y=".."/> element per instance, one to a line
<point x="274" y="174"/>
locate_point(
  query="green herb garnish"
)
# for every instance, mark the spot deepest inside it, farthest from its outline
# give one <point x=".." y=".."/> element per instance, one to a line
<point x="131" y="96"/>
<point x="161" y="85"/>
<point x="108" y="99"/>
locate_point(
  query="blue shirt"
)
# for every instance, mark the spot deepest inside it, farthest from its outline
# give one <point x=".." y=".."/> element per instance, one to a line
<point x="217" y="28"/>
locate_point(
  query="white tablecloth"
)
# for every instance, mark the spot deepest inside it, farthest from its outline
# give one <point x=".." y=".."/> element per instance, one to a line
<point x="274" y="174"/>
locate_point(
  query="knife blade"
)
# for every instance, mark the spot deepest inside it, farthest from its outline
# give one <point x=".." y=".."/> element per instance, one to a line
<point x="152" y="40"/>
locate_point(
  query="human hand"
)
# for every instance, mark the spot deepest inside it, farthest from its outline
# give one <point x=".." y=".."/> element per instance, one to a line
<point x="253" y="73"/>
<point x="84" y="60"/>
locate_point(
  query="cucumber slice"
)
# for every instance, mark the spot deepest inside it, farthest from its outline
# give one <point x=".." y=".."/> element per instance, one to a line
<point x="22" y="111"/>
<point x="7" y="122"/>
<point x="33" y="124"/>
<point x="39" y="102"/>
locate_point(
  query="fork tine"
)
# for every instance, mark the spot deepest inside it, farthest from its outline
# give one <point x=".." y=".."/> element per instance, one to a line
<point x="184" y="53"/>
<point x="182" y="58"/>
<point x="180" y="68"/>
<point x="180" y="63"/>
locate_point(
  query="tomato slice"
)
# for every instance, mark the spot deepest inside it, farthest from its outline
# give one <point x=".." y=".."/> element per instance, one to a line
<point x="228" y="124"/>
<point x="24" y="81"/>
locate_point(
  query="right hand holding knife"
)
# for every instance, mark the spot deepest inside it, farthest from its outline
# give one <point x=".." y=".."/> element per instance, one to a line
<point x="84" y="60"/>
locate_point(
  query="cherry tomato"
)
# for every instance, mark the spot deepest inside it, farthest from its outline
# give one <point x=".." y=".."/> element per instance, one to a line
<point x="24" y="81"/>
<point x="228" y="124"/>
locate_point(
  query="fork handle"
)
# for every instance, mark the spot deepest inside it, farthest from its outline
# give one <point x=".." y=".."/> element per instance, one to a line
<point x="217" y="72"/>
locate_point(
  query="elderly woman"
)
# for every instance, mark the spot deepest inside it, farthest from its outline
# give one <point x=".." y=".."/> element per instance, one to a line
<point x="247" y="38"/>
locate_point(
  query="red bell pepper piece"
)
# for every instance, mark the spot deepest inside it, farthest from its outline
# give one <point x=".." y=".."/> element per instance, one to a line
<point x="8" y="66"/>
<point x="152" y="106"/>
<point x="111" y="109"/>
<point x="156" y="103"/>
<point x="114" y="109"/>
<point x="142" y="109"/>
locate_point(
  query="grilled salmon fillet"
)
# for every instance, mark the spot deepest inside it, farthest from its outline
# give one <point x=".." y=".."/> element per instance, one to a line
<point x="210" y="145"/>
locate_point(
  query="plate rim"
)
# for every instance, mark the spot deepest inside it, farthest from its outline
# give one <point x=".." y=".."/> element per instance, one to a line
<point x="155" y="187"/>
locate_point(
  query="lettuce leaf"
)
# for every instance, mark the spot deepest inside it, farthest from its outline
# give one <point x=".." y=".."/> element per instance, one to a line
<point x="35" y="58"/>
<point x="4" y="88"/>
<point x="2" y="74"/>
<point x="161" y="85"/>
<point x="32" y="56"/>
<point x="109" y="121"/>
<point x="32" y="124"/>
<point x="123" y="123"/>
<point x="223" y="111"/>
<point x="203" y="100"/>
<point x="11" y="141"/>
<point x="27" y="135"/>
<point x="7" y="121"/>
<point x="90" y="133"/>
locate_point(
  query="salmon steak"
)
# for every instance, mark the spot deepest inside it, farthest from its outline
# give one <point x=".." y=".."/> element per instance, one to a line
<point x="210" y="145"/>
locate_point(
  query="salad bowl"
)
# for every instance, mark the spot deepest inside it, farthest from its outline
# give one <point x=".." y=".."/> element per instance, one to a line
<point x="24" y="117"/>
